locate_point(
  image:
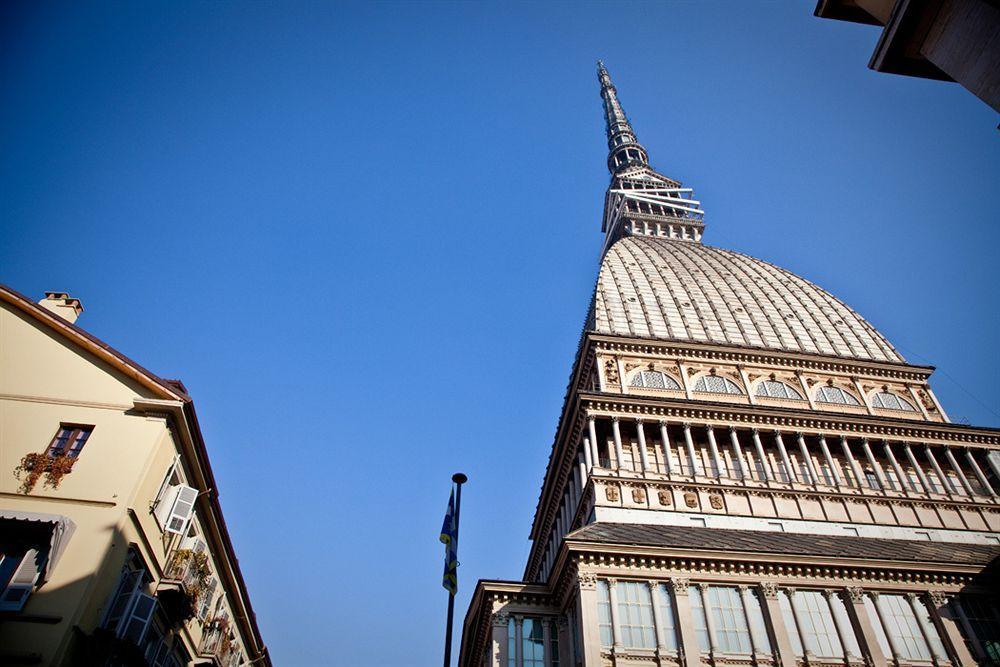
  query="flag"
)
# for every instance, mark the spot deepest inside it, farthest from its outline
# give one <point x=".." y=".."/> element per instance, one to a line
<point x="449" y="536"/>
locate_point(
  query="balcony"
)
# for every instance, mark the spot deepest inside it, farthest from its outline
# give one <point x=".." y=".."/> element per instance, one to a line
<point x="217" y="642"/>
<point x="184" y="581"/>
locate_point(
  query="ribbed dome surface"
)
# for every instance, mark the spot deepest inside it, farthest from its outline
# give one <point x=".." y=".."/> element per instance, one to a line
<point x="656" y="288"/>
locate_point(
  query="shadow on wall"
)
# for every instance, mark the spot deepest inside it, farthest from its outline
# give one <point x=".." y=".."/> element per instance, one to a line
<point x="61" y="620"/>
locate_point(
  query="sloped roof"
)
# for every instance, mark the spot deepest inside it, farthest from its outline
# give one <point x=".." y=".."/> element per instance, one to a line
<point x="831" y="546"/>
<point x="652" y="287"/>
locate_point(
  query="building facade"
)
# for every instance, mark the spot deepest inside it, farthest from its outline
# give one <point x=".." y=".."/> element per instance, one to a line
<point x="113" y="547"/>
<point x="745" y="472"/>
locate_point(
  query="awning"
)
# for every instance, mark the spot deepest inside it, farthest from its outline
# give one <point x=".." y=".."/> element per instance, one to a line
<point x="62" y="529"/>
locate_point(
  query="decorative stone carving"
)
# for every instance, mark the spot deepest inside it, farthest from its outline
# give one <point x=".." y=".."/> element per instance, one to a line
<point x="588" y="581"/>
<point x="666" y="498"/>
<point x="611" y="371"/>
<point x="500" y="619"/>
<point x="856" y="594"/>
<point x="716" y="501"/>
<point x="679" y="585"/>
<point x="638" y="495"/>
<point x="769" y="590"/>
<point x="611" y="493"/>
<point x="938" y="598"/>
<point x="691" y="499"/>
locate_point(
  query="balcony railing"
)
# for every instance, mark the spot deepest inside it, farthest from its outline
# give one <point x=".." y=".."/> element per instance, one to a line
<point x="217" y="642"/>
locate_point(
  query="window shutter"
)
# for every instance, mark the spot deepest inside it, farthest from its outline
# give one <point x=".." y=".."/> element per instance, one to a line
<point x="121" y="603"/>
<point x="181" y="509"/>
<point x="138" y="620"/>
<point x="164" y="505"/>
<point x="206" y="598"/>
<point x="21" y="583"/>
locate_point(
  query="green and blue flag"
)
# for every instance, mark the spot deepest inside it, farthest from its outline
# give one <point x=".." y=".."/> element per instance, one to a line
<point x="449" y="536"/>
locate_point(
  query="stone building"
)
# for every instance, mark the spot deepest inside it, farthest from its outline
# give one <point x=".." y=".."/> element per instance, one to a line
<point x="113" y="547"/>
<point x="745" y="472"/>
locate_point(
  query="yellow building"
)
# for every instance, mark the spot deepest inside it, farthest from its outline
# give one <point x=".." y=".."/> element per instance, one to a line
<point x="113" y="547"/>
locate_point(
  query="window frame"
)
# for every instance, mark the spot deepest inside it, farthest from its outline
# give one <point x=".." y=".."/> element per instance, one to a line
<point x="727" y="383"/>
<point x="791" y="393"/>
<point x="68" y="447"/>
<point x="846" y="395"/>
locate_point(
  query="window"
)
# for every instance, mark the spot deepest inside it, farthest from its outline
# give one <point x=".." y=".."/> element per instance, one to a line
<point x="898" y="621"/>
<point x="872" y="479"/>
<point x="790" y="625"/>
<point x="984" y="625"/>
<point x="174" y="504"/>
<point x="604" y="613"/>
<point x="553" y="643"/>
<point x="69" y="440"/>
<point x="835" y="395"/>
<point x="19" y="570"/>
<point x="131" y="610"/>
<point x="716" y="384"/>
<point x="668" y="632"/>
<point x="819" y="632"/>
<point x="635" y="615"/>
<point x="776" y="389"/>
<point x="532" y="643"/>
<point x="654" y="380"/>
<point x="698" y="612"/>
<point x="731" y="632"/>
<point x="884" y="399"/>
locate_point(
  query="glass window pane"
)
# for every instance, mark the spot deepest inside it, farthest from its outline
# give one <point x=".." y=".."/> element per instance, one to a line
<point x="604" y="613"/>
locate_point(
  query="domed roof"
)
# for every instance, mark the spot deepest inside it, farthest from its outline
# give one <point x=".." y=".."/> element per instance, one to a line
<point x="652" y="287"/>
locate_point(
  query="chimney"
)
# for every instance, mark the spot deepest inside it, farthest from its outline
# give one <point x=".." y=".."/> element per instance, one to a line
<point x="63" y="305"/>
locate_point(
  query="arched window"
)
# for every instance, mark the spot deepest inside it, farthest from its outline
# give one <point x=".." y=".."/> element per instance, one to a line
<point x="776" y="389"/>
<point x="716" y="384"/>
<point x="884" y="399"/>
<point x="835" y="395"/>
<point x="654" y="380"/>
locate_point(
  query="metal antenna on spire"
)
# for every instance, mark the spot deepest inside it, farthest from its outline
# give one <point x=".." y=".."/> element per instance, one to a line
<point x="624" y="149"/>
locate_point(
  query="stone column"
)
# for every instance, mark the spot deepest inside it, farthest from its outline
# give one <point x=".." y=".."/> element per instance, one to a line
<point x="685" y="623"/>
<point x="617" y="434"/>
<point x="876" y="468"/>
<point x="518" y="640"/>
<point x="657" y="620"/>
<point x="947" y="623"/>
<point x="738" y="453"/>
<point x="713" y="448"/>
<point x="565" y="638"/>
<point x="665" y="441"/>
<point x="775" y="623"/>
<point x="829" y="461"/>
<point x="760" y="454"/>
<point x="897" y="654"/>
<point x="546" y="642"/>
<point x="709" y="621"/>
<point x="588" y="456"/>
<point x="928" y="633"/>
<point x="807" y="458"/>
<point x="917" y="469"/>
<point x="590" y="636"/>
<point x="838" y="624"/>
<point x="956" y="605"/>
<point x="863" y="627"/>
<point x="499" y="640"/>
<point x="900" y="475"/>
<point x="690" y="449"/>
<point x="807" y="647"/>
<point x="946" y="486"/>
<point x="592" y="432"/>
<point x="787" y="462"/>
<point x="958" y="471"/>
<point x="855" y="468"/>
<point x="979" y="472"/>
<point x="643" y="456"/>
<point x="616" y="631"/>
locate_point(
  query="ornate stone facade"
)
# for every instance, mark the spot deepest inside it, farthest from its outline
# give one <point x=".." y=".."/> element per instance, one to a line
<point x="751" y="475"/>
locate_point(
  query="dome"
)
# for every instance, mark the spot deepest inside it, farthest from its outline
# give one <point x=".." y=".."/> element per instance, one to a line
<point x="653" y="287"/>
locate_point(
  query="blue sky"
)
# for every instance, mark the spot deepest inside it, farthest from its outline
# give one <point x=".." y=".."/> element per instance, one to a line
<point x="365" y="237"/>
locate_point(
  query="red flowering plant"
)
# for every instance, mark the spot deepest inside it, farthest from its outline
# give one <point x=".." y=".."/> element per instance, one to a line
<point x="34" y="465"/>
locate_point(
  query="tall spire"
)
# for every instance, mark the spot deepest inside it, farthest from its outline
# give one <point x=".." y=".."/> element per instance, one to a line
<point x="624" y="150"/>
<point x="641" y="201"/>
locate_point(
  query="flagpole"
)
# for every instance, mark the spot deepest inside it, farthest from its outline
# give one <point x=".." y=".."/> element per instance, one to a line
<point x="459" y="479"/>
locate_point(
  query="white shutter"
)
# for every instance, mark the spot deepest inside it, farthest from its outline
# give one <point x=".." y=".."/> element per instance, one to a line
<point x="181" y="509"/>
<point x="138" y="620"/>
<point x="21" y="584"/>
<point x="206" y="598"/>
<point x="164" y="504"/>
